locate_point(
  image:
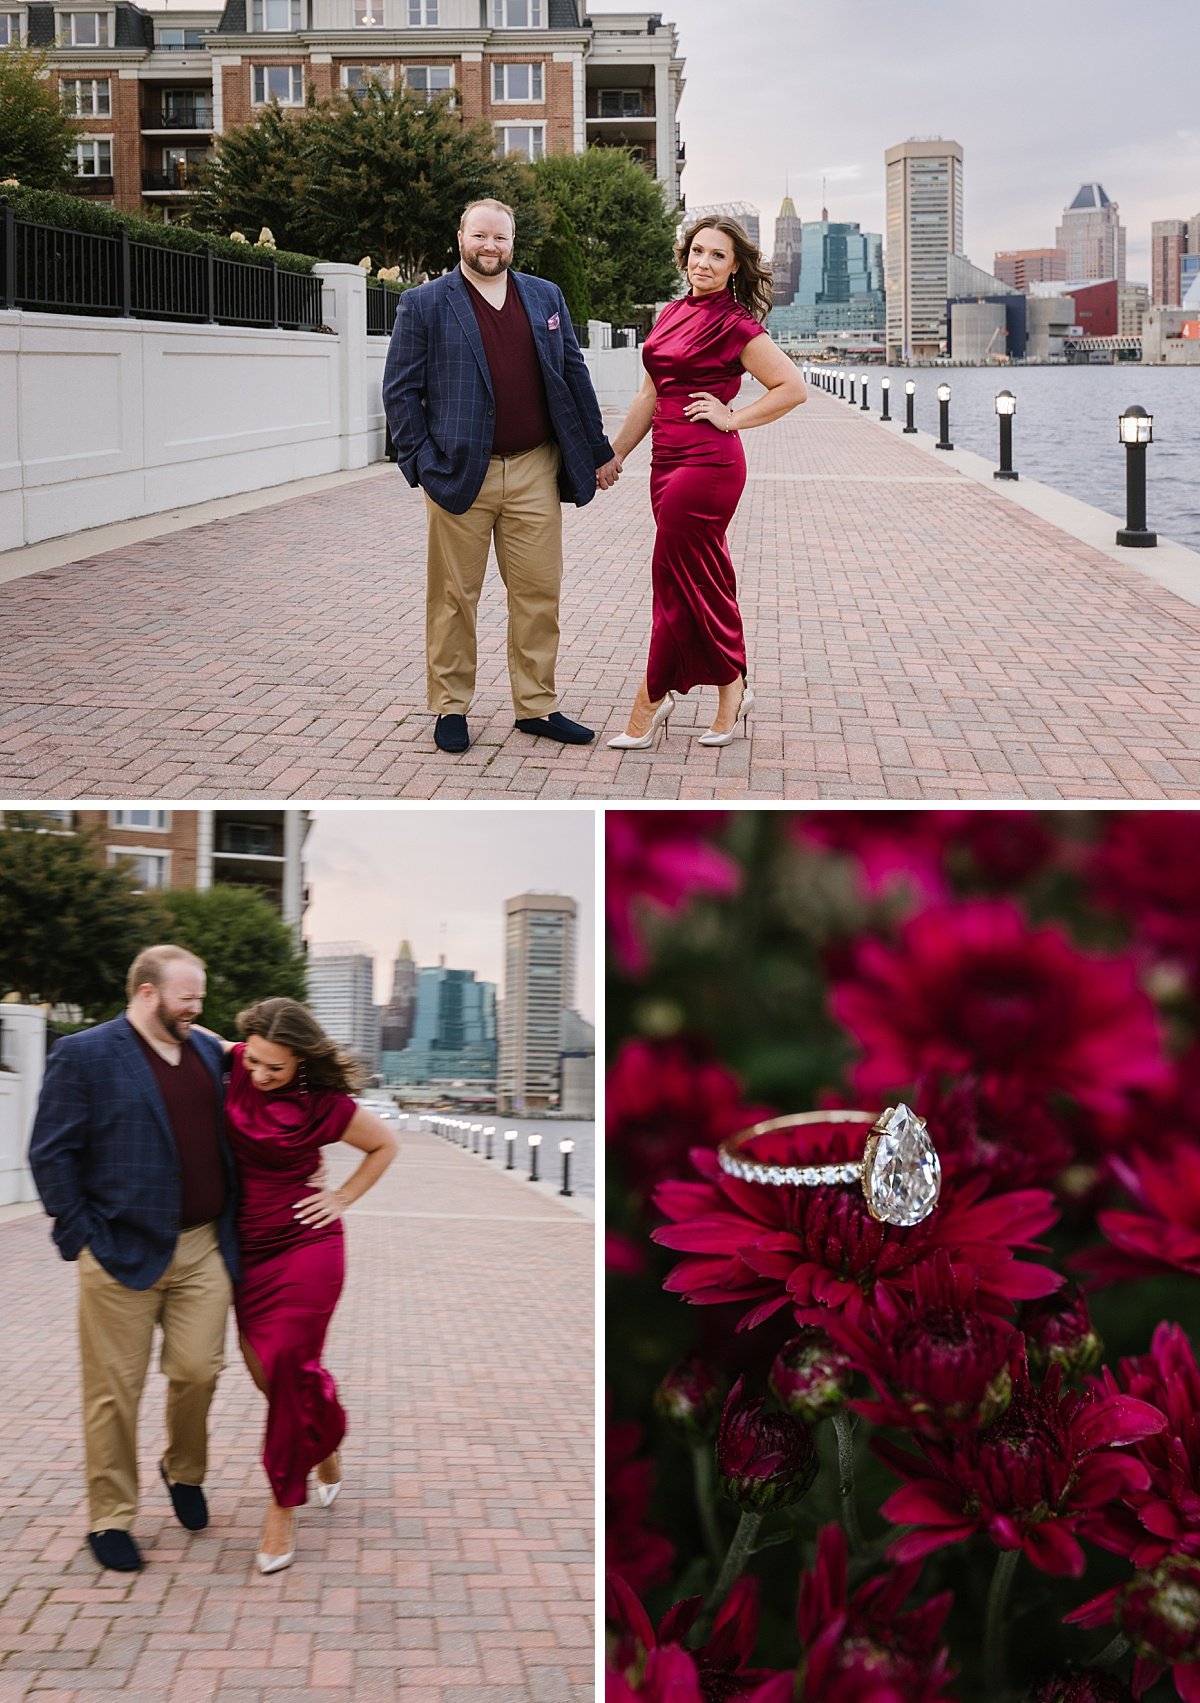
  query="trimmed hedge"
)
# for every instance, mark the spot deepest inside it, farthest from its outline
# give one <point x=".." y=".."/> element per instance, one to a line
<point x="75" y="213"/>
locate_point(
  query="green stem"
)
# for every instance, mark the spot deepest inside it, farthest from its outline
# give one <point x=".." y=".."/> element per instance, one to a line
<point x="1112" y="1652"/>
<point x="732" y="1567"/>
<point x="702" y="1474"/>
<point x="993" y="1632"/>
<point x="845" y="1447"/>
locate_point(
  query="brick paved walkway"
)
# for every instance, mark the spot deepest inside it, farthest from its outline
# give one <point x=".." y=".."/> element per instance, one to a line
<point x="912" y="634"/>
<point x="457" y="1564"/>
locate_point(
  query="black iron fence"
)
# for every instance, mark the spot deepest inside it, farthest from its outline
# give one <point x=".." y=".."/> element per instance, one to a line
<point x="381" y="309"/>
<point x="58" y="271"/>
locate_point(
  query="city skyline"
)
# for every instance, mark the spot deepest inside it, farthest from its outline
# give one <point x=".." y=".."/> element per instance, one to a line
<point x="1034" y="123"/>
<point x="381" y="877"/>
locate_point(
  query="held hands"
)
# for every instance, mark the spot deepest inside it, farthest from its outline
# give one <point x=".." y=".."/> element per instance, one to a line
<point x="607" y="476"/>
<point x="706" y="407"/>
<point x="319" y="1210"/>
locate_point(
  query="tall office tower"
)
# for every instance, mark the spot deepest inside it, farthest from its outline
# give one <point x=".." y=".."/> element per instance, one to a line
<point x="924" y="227"/>
<point x="539" y="985"/>
<point x="341" y="995"/>
<point x="396" y="1023"/>
<point x="1022" y="267"/>
<point x="1168" y="245"/>
<point x="740" y="211"/>
<point x="785" y="262"/>
<point x="1092" y="236"/>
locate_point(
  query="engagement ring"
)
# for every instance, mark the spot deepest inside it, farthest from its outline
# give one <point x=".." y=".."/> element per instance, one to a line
<point x="900" y="1172"/>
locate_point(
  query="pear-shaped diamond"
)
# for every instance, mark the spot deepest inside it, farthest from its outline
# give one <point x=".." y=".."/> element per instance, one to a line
<point x="904" y="1174"/>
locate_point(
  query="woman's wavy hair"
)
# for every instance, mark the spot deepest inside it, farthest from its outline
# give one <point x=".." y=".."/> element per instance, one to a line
<point x="289" y="1024"/>
<point x="751" y="283"/>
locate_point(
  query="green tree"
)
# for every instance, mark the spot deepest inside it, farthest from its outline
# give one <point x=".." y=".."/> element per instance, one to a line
<point x="70" y="925"/>
<point x="382" y="173"/>
<point x="37" y="140"/>
<point x="561" y="260"/>
<point x="624" y="227"/>
<point x="247" y="948"/>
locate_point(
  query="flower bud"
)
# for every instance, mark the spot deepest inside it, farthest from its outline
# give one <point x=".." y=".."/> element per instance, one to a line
<point x="811" y="1376"/>
<point x="1059" y="1332"/>
<point x="1159" y="1611"/>
<point x="765" y="1460"/>
<point x="1093" y="1687"/>
<point x="689" y="1399"/>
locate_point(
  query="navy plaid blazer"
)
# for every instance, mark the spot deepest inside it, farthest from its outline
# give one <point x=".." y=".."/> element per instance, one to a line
<point x="104" y="1159"/>
<point x="438" y="397"/>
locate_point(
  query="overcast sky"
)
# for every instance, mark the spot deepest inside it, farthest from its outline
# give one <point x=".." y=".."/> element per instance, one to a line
<point x="439" y="878"/>
<point x="1041" y="97"/>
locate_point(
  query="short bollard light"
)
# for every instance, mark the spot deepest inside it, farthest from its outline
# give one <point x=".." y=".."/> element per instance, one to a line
<point x="535" y="1141"/>
<point x="852" y="383"/>
<point x="1006" y="407"/>
<point x="910" y="403"/>
<point x="943" y="396"/>
<point x="510" y="1137"/>
<point x="1137" y="430"/>
<point x="489" y="1131"/>
<point x="885" y="385"/>
<point x="841" y="387"/>
<point x="476" y="1132"/>
<point x="566" y="1148"/>
<point x="863" y="403"/>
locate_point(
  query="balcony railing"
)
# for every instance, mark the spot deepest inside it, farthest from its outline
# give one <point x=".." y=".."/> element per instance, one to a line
<point x="198" y="117"/>
<point x="94" y="185"/>
<point x="59" y="271"/>
<point x="181" y="181"/>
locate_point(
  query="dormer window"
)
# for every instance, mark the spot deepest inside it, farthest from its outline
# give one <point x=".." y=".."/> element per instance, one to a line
<point x="10" y="28"/>
<point x="87" y="29"/>
<point x="368" y="14"/>
<point x="421" y="12"/>
<point x="276" y="16"/>
<point x="518" y="14"/>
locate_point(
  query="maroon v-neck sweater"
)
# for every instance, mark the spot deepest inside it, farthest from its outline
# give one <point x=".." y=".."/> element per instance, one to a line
<point x="522" y="415"/>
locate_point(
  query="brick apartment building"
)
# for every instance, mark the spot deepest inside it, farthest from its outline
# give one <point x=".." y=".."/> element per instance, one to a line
<point x="150" y="91"/>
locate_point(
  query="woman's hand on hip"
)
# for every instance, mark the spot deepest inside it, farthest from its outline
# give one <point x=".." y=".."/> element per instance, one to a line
<point x="704" y="406"/>
<point x="319" y="1210"/>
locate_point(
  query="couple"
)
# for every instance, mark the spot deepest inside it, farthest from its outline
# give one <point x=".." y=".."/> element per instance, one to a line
<point x="179" y="1168"/>
<point x="492" y="412"/>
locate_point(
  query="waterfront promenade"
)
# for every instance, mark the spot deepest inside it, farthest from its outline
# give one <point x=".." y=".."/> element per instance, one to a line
<point x="913" y="633"/>
<point x="457" y="1564"/>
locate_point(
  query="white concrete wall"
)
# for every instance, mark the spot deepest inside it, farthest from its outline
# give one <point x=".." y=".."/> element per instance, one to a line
<point x="24" y="1055"/>
<point x="617" y="375"/>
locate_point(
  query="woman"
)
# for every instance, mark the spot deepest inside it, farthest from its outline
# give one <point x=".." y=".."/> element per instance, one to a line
<point x="288" y="1096"/>
<point x="701" y="347"/>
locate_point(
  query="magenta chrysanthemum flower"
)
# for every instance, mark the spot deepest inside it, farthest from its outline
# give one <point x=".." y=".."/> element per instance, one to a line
<point x="862" y="1648"/>
<point x="998" y="1128"/>
<point x="635" y="1550"/>
<point x="662" y="1099"/>
<point x="690" y="1397"/>
<point x="819" y="1248"/>
<point x="1146" y="870"/>
<point x="1164" y="1519"/>
<point x="1029" y="1480"/>
<point x="1159" y="1612"/>
<point x="718" y="1669"/>
<point x="1165" y="1236"/>
<point x="811" y="1375"/>
<point x="1058" y="1331"/>
<point x="765" y="1460"/>
<point x="921" y="849"/>
<point x="659" y="860"/>
<point x="939" y="1362"/>
<point x="1092" y="1687"/>
<point x="974" y="988"/>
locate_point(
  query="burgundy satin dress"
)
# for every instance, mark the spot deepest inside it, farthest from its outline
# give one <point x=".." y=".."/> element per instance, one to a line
<point x="291" y="1274"/>
<point x="697" y="474"/>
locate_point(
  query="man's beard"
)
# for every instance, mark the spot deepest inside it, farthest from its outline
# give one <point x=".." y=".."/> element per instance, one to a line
<point x="177" y="1027"/>
<point x="473" y="265"/>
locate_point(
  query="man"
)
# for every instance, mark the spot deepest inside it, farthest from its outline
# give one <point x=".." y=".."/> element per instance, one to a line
<point x="129" y="1155"/>
<point x="493" y="414"/>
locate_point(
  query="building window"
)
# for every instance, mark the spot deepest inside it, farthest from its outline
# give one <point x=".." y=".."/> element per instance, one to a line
<point x="517" y="83"/>
<point x="87" y="29"/>
<point x="422" y="12"/>
<point x="526" y="140"/>
<point x="10" y="28"/>
<point x="368" y="14"/>
<point x="148" y="868"/>
<point x="277" y="15"/>
<point x="159" y="821"/>
<point x="173" y="40"/>
<point x="93" y="158"/>
<point x="282" y="83"/>
<point x="427" y="79"/>
<point x="622" y="103"/>
<point x="356" y="77"/>
<point x="86" y="97"/>
<point x="518" y="14"/>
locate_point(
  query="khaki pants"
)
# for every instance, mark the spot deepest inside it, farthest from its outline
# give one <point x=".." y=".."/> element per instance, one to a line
<point x="116" y="1333"/>
<point x="518" y="505"/>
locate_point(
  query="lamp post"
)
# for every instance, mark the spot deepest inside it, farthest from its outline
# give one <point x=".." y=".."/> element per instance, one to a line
<point x="535" y="1141"/>
<point x="841" y="387"/>
<point x="943" y="396"/>
<point x="852" y="390"/>
<point x="1137" y="430"/>
<point x="910" y="391"/>
<point x="885" y="385"/>
<point x="566" y="1148"/>
<point x="488" y="1132"/>
<point x="510" y="1138"/>
<point x="863" y="404"/>
<point x="476" y="1132"/>
<point x="1006" y="407"/>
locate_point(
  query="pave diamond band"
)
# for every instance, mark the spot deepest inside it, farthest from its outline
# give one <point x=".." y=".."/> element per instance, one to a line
<point x="900" y="1172"/>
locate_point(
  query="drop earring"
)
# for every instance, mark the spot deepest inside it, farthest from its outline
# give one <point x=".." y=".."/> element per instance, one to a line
<point x="303" y="1075"/>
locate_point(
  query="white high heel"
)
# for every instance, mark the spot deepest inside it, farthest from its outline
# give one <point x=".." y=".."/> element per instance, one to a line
<point x="643" y="741"/>
<point x="276" y="1563"/>
<point x="744" y="708"/>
